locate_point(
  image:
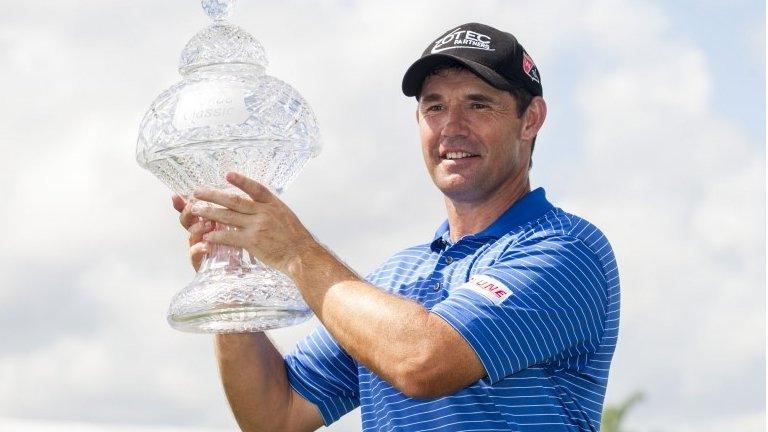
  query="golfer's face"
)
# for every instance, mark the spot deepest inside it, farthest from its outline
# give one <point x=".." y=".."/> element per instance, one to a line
<point x="470" y="135"/>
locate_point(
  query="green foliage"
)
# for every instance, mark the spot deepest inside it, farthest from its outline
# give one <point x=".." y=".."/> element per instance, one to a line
<point x="613" y="414"/>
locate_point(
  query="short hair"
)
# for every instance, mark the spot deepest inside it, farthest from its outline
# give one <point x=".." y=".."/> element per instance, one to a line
<point x="521" y="96"/>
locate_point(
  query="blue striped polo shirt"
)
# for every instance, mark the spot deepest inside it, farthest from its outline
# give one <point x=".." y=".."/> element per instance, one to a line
<point x="536" y="295"/>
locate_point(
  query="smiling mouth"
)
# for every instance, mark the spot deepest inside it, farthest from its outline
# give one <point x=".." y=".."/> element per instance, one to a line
<point x="458" y="155"/>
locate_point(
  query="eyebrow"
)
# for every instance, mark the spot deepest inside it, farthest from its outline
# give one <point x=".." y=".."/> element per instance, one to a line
<point x="431" y="97"/>
<point x="479" y="97"/>
<point x="475" y="97"/>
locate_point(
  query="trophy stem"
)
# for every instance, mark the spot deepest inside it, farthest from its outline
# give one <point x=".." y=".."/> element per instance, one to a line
<point x="234" y="292"/>
<point x="223" y="257"/>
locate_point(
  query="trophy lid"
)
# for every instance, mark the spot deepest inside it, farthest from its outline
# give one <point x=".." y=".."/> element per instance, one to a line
<point x="221" y="42"/>
<point x="226" y="114"/>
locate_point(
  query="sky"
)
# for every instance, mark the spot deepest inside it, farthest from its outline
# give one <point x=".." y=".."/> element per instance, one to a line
<point x="655" y="133"/>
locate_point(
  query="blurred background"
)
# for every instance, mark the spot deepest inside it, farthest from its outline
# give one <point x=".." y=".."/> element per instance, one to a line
<point x="655" y="132"/>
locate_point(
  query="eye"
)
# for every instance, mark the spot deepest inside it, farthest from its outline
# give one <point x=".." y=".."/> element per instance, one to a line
<point x="479" y="105"/>
<point x="434" y="108"/>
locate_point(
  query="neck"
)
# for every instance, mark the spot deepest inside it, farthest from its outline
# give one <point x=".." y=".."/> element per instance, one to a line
<point x="470" y="217"/>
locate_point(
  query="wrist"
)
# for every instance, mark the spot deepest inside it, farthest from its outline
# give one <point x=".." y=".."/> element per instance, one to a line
<point x="305" y="253"/>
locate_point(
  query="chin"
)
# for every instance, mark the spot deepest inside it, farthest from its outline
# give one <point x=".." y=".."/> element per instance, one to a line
<point x="460" y="191"/>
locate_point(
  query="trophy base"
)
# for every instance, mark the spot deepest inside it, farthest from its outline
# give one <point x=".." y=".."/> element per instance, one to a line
<point x="226" y="302"/>
<point x="238" y="319"/>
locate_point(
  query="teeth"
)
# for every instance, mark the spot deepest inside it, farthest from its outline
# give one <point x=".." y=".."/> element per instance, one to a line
<point x="457" y="155"/>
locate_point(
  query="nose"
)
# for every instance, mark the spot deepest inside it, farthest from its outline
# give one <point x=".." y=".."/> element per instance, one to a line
<point x="455" y="123"/>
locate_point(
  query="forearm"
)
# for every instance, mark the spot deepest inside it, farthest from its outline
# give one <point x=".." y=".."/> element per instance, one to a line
<point x="387" y="333"/>
<point x="254" y="379"/>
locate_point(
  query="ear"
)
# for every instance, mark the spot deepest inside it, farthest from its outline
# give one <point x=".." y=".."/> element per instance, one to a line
<point x="533" y="118"/>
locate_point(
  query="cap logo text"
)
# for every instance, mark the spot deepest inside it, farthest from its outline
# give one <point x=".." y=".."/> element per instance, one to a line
<point x="459" y="38"/>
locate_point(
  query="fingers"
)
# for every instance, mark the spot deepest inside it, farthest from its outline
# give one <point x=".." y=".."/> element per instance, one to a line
<point x="186" y="217"/>
<point x="197" y="246"/>
<point x="225" y="237"/>
<point x="201" y="227"/>
<point x="222" y="215"/>
<point x="198" y="230"/>
<point x="226" y="199"/>
<point x="254" y="189"/>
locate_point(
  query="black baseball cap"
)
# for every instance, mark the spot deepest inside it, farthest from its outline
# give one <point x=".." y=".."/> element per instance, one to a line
<point x="493" y="55"/>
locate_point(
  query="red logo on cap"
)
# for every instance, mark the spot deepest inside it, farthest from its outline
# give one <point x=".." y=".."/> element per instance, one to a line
<point x="527" y="63"/>
<point x="529" y="67"/>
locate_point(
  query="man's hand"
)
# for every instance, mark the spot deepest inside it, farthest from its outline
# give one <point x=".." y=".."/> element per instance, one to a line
<point x="264" y="225"/>
<point x="196" y="227"/>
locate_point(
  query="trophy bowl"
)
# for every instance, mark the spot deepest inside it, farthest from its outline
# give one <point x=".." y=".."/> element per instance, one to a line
<point x="226" y="115"/>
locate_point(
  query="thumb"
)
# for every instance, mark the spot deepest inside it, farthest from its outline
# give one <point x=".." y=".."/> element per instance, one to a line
<point x="178" y="202"/>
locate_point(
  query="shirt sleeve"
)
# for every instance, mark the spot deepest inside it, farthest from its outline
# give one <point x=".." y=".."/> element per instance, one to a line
<point x="324" y="374"/>
<point x="541" y="301"/>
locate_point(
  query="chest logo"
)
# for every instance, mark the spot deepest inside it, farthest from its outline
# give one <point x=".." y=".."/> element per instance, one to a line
<point x="491" y="288"/>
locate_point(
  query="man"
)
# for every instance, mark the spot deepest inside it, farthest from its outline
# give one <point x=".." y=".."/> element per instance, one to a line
<point x="505" y="321"/>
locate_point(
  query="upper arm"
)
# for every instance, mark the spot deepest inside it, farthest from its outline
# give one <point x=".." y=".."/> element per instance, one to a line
<point x="323" y="375"/>
<point x="540" y="302"/>
<point x="303" y="415"/>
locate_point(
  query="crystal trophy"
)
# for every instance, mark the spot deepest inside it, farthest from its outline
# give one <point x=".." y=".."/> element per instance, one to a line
<point x="225" y="115"/>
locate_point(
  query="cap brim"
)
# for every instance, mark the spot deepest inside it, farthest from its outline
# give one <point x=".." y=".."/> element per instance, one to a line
<point x="414" y="76"/>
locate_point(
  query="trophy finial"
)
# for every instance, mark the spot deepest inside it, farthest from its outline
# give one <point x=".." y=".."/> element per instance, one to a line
<point x="218" y="10"/>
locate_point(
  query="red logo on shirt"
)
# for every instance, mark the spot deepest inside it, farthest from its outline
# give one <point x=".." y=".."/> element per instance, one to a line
<point x="491" y="288"/>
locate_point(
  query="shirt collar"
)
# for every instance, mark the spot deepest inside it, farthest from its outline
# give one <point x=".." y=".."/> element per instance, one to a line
<point x="529" y="207"/>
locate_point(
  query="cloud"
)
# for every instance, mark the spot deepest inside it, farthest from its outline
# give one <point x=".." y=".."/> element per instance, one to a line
<point x="47" y="426"/>
<point x="94" y="252"/>
<point x="680" y="192"/>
